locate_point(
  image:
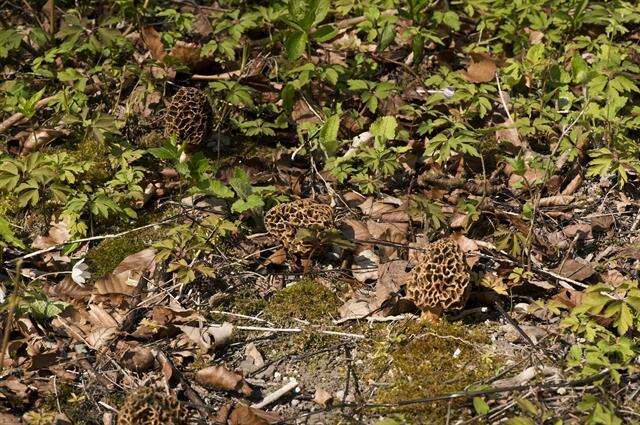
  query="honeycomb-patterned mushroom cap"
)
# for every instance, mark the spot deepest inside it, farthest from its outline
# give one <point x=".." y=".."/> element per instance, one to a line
<point x="188" y="116"/>
<point x="148" y="406"/>
<point x="283" y="221"/>
<point x="441" y="279"/>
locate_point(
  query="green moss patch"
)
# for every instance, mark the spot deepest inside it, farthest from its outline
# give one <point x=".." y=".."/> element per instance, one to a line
<point x="423" y="360"/>
<point x="106" y="256"/>
<point x="307" y="300"/>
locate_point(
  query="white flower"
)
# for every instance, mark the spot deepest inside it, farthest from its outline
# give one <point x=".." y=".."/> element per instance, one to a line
<point x="79" y="272"/>
<point x="448" y="92"/>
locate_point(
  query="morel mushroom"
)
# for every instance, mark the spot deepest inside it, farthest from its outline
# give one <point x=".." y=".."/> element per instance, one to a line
<point x="188" y="116"/>
<point x="283" y="221"/>
<point x="148" y="406"/>
<point x="441" y="279"/>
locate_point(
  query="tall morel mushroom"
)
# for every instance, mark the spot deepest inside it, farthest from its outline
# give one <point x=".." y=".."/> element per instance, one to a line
<point x="285" y="220"/>
<point x="188" y="116"/>
<point x="149" y="406"/>
<point x="441" y="280"/>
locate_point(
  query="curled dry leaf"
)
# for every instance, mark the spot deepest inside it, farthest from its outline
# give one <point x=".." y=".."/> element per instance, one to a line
<point x="208" y="337"/>
<point x="35" y="140"/>
<point x="556" y="201"/>
<point x="221" y="378"/>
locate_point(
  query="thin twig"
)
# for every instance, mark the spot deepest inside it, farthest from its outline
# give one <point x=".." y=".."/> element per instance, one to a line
<point x="276" y="395"/>
<point x="89" y="239"/>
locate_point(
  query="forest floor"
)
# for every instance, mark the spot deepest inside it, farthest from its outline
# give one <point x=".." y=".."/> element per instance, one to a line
<point x="319" y="212"/>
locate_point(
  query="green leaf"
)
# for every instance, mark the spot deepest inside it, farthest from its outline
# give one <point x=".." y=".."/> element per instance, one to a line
<point x="9" y="40"/>
<point x="481" y="406"/>
<point x="325" y="33"/>
<point x="219" y="189"/>
<point x="527" y="406"/>
<point x="521" y="420"/>
<point x="625" y="321"/>
<point x="240" y="183"/>
<point x="329" y="134"/>
<point x="42" y="309"/>
<point x="242" y="205"/>
<point x="295" y="44"/>
<point x="384" y="128"/>
<point x="7" y="235"/>
<point x="451" y="20"/>
<point x="387" y="36"/>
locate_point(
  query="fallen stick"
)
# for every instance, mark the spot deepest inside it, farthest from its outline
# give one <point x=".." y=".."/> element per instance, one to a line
<point x="89" y="239"/>
<point x="373" y="319"/>
<point x="18" y="116"/>
<point x="295" y="330"/>
<point x="276" y="395"/>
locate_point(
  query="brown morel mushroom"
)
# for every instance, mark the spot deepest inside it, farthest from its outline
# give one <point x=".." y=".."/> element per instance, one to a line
<point x="188" y="116"/>
<point x="148" y="406"/>
<point x="283" y="221"/>
<point x="440" y="281"/>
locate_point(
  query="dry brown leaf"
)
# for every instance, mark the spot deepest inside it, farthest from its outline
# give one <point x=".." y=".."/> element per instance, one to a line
<point x="577" y="269"/>
<point x="481" y="71"/>
<point x="115" y="284"/>
<point x="35" y="140"/>
<point x="509" y="134"/>
<point x="136" y="358"/>
<point x="569" y="297"/>
<point x="377" y="209"/>
<point x="556" y="201"/>
<point x="278" y="258"/>
<point x="614" y="278"/>
<point x="124" y="278"/>
<point x="222" y="378"/>
<point x="365" y="265"/>
<point x="393" y="275"/>
<point x="202" y="25"/>
<point x="151" y="38"/>
<point x="322" y="397"/>
<point x="535" y="37"/>
<point x="573" y="185"/>
<point x="58" y="234"/>
<point x="581" y="229"/>
<point x="356" y="230"/>
<point x="140" y="262"/>
<point x="245" y="415"/>
<point x="354" y="308"/>
<point x="67" y="289"/>
<point x="601" y="222"/>
<point x="190" y="54"/>
<point x="530" y="178"/>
